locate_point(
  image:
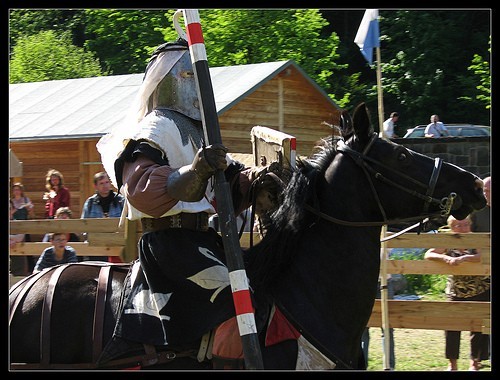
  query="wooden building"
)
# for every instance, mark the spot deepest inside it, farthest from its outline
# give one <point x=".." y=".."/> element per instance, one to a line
<point x="56" y="124"/>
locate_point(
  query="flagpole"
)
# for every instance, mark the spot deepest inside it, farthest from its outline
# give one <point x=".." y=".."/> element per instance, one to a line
<point x="383" y="249"/>
<point x="380" y="94"/>
<point x="367" y="38"/>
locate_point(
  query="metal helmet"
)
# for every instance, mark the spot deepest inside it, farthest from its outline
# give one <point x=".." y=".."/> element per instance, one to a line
<point x="177" y="90"/>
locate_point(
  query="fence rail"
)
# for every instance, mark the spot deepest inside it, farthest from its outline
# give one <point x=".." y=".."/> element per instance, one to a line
<point x="106" y="238"/>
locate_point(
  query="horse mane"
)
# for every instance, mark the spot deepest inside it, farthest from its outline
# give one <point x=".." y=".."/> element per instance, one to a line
<point x="266" y="260"/>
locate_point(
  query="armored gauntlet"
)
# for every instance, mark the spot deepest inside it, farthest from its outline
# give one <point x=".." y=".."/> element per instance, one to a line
<point x="189" y="182"/>
<point x="267" y="187"/>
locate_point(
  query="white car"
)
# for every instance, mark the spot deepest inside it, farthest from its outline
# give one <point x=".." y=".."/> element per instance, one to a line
<point x="456" y="130"/>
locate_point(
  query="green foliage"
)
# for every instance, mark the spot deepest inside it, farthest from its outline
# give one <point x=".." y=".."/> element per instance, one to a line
<point x="481" y="69"/>
<point x="125" y="39"/>
<point x="232" y="38"/>
<point x="430" y="285"/>
<point x="27" y="22"/>
<point x="47" y="56"/>
<point x="425" y="58"/>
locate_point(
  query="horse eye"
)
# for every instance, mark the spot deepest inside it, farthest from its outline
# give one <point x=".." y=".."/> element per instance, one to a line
<point x="402" y="156"/>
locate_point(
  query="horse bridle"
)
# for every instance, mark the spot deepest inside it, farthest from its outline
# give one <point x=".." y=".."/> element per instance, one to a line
<point x="362" y="159"/>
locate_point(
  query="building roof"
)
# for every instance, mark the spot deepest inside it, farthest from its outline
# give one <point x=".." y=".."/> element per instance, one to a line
<point x="91" y="107"/>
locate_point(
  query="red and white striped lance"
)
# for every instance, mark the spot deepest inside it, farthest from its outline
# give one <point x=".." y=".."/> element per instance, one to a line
<point x="202" y="73"/>
<point x="237" y="274"/>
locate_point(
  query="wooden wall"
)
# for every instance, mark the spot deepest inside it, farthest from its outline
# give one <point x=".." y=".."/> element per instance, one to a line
<point x="77" y="160"/>
<point x="288" y="103"/>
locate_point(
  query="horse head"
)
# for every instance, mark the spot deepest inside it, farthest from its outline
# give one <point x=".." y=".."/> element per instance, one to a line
<point x="399" y="184"/>
<point x="319" y="261"/>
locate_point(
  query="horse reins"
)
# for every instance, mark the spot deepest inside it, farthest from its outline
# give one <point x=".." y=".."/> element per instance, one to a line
<point x="361" y="159"/>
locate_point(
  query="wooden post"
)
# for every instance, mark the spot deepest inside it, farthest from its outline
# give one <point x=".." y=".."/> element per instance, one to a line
<point x="384" y="298"/>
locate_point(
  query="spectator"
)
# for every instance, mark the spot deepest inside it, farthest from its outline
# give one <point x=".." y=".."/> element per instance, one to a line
<point x="59" y="253"/>
<point x="57" y="194"/>
<point x="388" y="126"/>
<point x="105" y="203"/>
<point x="365" y="338"/>
<point x="436" y="128"/>
<point x="64" y="213"/>
<point x="481" y="219"/>
<point x="21" y="208"/>
<point x="463" y="288"/>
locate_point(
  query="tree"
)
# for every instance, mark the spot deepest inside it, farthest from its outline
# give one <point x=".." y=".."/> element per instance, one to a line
<point x="46" y="56"/>
<point x="124" y="39"/>
<point x="27" y="22"/>
<point x="481" y="69"/>
<point x="425" y="59"/>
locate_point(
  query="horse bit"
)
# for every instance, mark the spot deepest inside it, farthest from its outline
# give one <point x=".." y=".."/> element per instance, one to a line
<point x="445" y="204"/>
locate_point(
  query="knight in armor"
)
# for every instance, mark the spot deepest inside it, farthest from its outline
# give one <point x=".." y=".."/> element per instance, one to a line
<point x="163" y="166"/>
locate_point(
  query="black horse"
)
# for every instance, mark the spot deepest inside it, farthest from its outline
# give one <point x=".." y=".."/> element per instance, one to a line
<point x="317" y="266"/>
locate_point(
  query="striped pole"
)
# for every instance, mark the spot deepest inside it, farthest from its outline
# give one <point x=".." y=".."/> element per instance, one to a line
<point x="237" y="274"/>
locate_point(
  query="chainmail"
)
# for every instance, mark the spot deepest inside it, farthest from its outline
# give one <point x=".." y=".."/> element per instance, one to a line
<point x="188" y="128"/>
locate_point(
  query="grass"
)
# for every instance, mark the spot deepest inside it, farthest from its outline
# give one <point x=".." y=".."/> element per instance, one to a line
<point x="419" y="350"/>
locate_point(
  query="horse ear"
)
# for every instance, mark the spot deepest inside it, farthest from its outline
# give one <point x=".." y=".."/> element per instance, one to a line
<point x="361" y="122"/>
<point x="346" y="124"/>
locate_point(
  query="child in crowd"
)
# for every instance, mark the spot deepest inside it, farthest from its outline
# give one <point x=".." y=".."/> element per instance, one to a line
<point x="59" y="253"/>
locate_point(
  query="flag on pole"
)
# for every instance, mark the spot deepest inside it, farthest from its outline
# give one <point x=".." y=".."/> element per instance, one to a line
<point x="368" y="35"/>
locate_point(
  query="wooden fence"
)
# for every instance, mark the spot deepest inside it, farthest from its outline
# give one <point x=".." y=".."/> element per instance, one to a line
<point x="106" y="238"/>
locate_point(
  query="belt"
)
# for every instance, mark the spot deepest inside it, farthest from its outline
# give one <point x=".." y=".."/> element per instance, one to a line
<point x="197" y="222"/>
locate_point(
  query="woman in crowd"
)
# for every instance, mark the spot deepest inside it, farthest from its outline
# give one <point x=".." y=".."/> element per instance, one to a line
<point x="57" y="195"/>
<point x="21" y="208"/>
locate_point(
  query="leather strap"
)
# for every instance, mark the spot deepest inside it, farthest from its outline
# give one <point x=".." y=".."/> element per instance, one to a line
<point x="46" y="314"/>
<point x="196" y="222"/>
<point x="100" y="305"/>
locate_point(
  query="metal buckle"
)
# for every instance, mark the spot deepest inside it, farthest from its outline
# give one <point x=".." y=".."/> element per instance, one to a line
<point x="176" y="221"/>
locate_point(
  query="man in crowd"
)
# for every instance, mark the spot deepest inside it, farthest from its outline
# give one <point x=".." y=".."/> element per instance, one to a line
<point x="105" y="203"/>
<point x="436" y="128"/>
